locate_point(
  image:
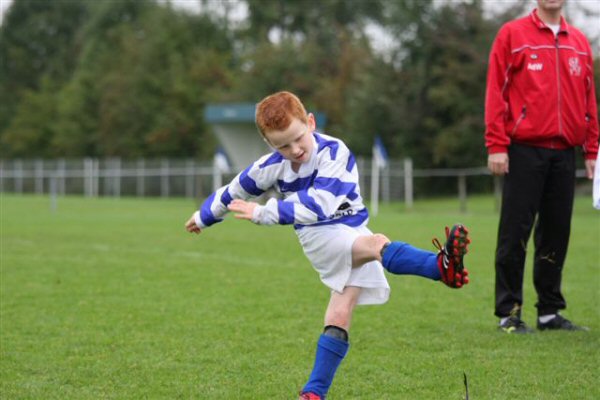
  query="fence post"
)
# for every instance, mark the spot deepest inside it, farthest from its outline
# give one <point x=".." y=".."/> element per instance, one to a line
<point x="140" y="175"/>
<point x="117" y="177"/>
<point x="53" y="191"/>
<point x="408" y="183"/>
<point x="217" y="177"/>
<point x="18" y="166"/>
<point x="88" y="171"/>
<point x="61" y="175"/>
<point x="164" y="177"/>
<point x="189" y="178"/>
<point x="96" y="177"/>
<point x="374" y="187"/>
<point x="39" y="176"/>
<point x="109" y="182"/>
<point x="107" y="173"/>
<point x="385" y="189"/>
<point x="462" y="192"/>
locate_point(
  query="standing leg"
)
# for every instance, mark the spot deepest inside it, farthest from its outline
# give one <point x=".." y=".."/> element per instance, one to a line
<point x="332" y="345"/>
<point x="552" y="232"/>
<point x="520" y="201"/>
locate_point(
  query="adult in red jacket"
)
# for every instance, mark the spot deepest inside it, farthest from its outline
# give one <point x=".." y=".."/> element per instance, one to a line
<point x="540" y="107"/>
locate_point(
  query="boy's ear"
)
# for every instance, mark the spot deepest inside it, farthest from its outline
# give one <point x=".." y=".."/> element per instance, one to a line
<point x="311" y="122"/>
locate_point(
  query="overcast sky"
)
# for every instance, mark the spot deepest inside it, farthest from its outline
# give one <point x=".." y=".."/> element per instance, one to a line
<point x="590" y="25"/>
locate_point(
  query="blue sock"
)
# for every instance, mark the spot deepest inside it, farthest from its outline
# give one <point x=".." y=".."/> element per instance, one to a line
<point x="330" y="353"/>
<point x="403" y="259"/>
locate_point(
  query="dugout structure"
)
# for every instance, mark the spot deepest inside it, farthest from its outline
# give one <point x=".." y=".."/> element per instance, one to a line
<point x="235" y="128"/>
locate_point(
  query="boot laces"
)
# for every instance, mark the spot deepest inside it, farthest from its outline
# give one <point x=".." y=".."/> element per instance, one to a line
<point x="438" y="245"/>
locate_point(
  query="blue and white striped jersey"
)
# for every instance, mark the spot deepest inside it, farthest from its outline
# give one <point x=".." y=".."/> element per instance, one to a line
<point x="325" y="189"/>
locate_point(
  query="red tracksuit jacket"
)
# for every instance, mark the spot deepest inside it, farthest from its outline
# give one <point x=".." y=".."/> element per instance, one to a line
<point x="540" y="88"/>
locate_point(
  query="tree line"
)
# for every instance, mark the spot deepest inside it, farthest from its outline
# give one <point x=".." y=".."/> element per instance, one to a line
<point x="131" y="78"/>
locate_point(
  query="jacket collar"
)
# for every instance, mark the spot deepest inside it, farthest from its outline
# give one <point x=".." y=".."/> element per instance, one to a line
<point x="564" y="27"/>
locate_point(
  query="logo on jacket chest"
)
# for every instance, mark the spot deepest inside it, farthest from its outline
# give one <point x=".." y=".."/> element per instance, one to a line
<point x="535" y="66"/>
<point x="574" y="66"/>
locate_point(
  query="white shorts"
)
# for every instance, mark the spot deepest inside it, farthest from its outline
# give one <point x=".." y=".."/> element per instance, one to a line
<point x="329" y="249"/>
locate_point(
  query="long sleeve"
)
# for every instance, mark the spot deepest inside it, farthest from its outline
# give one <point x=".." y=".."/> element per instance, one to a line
<point x="251" y="182"/>
<point x="496" y="105"/>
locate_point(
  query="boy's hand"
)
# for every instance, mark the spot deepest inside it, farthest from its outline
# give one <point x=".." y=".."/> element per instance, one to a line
<point x="242" y="209"/>
<point x="191" y="226"/>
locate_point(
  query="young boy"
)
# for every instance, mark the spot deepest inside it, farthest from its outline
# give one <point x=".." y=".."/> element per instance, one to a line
<point x="317" y="178"/>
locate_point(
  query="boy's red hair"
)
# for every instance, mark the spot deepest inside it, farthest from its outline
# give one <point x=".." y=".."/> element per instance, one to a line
<point x="275" y="112"/>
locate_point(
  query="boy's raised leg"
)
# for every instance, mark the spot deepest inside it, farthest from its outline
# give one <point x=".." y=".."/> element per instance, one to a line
<point x="447" y="265"/>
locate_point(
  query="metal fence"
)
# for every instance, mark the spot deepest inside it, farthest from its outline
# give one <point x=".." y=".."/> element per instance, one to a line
<point x="92" y="177"/>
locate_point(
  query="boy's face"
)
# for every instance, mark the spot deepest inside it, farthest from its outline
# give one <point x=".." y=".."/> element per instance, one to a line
<point x="294" y="143"/>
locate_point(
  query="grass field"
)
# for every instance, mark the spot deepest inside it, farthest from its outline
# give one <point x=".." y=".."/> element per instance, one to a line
<point x="112" y="299"/>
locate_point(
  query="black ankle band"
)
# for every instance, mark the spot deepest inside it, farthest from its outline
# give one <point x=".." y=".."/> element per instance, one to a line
<point x="336" y="332"/>
<point x="385" y="246"/>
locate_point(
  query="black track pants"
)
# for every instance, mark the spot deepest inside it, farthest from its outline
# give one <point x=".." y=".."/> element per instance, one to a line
<point x="540" y="182"/>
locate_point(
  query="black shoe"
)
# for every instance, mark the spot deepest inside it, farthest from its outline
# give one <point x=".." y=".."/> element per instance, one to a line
<point x="560" y="323"/>
<point x="514" y="324"/>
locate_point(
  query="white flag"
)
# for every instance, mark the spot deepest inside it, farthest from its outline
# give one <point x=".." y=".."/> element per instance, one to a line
<point x="379" y="153"/>
<point x="221" y="162"/>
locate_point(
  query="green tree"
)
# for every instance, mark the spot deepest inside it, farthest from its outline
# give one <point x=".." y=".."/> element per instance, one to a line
<point x="387" y="98"/>
<point x="316" y="49"/>
<point x="128" y="78"/>
<point x="434" y="97"/>
<point x="30" y="132"/>
<point x="141" y="84"/>
<point x="455" y="96"/>
<point x="38" y="49"/>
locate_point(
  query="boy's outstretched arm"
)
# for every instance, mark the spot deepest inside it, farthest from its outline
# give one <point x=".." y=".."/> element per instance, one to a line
<point x="191" y="225"/>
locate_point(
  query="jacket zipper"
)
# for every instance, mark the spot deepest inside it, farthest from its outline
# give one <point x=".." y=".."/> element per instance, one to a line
<point x="560" y="129"/>
<point x="521" y="118"/>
